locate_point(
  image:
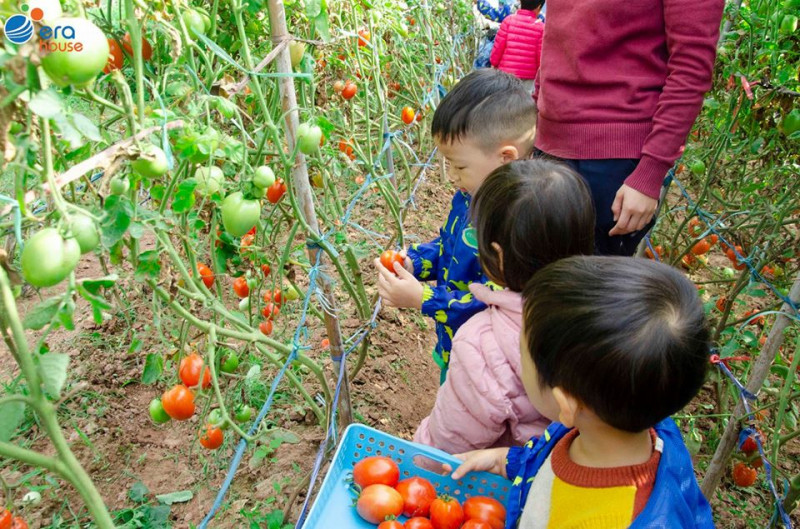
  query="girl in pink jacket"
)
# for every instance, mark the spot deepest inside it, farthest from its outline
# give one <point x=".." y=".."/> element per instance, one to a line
<point x="526" y="214"/>
<point x="518" y="45"/>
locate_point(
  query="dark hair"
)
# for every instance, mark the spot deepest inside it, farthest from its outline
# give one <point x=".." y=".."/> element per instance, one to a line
<point x="530" y="5"/>
<point x="487" y="105"/>
<point x="626" y="337"/>
<point x="538" y="212"/>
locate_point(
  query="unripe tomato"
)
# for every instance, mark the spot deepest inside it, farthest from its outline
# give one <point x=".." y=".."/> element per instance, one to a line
<point x="698" y="167"/>
<point x="338" y="86"/>
<point x="230" y="362"/>
<point x="265" y="327"/>
<point x="151" y="163"/>
<point x="190" y="369"/>
<point x="48" y="258"/>
<point x="350" y="90"/>
<point x="296" y="51"/>
<point x="194" y="23"/>
<point x="263" y="177"/>
<point x="85" y="232"/>
<point x="68" y="65"/>
<point x="408" y="115"/>
<point x="115" y="58"/>
<point x="276" y="191"/>
<point x="206" y="275"/>
<point x="364" y="37"/>
<point x="157" y="412"/>
<point x="209" y="180"/>
<point x="239" y="214"/>
<point x="308" y="138"/>
<point x="788" y="24"/>
<point x="389" y="257"/>
<point x="211" y="438"/>
<point x="147" y="50"/>
<point x="216" y="420"/>
<point x="243" y="413"/>
<point x="119" y="185"/>
<point x="291" y="293"/>
<point x="240" y="287"/>
<point x="178" y="402"/>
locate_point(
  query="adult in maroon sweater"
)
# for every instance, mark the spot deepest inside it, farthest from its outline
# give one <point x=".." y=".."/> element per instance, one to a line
<point x="620" y="84"/>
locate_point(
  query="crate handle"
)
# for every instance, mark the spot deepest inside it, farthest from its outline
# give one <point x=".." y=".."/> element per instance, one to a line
<point x="424" y="462"/>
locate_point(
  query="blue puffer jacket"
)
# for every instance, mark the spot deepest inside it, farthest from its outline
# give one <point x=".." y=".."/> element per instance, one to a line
<point x="676" y="500"/>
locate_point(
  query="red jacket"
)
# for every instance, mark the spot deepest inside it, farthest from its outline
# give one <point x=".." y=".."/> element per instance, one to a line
<point x="625" y="79"/>
<point x="518" y="45"/>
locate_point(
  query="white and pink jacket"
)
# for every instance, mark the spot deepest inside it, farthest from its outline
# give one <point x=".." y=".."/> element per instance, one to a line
<point x="483" y="403"/>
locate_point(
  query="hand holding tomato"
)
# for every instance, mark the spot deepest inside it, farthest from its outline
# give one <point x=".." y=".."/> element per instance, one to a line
<point x="398" y="287"/>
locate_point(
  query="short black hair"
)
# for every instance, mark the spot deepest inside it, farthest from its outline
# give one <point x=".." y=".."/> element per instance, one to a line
<point x="489" y="106"/>
<point x="626" y="337"/>
<point x="530" y="5"/>
<point x="538" y="212"/>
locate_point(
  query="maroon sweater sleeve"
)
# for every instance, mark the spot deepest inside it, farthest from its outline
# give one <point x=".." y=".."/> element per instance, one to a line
<point x="692" y="29"/>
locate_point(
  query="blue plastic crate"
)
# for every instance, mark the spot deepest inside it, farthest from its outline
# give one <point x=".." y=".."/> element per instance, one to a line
<point x="333" y="506"/>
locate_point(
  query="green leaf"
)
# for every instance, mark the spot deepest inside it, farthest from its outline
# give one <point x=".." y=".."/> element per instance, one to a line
<point x="184" y="196"/>
<point x="158" y="517"/>
<point x="138" y="492"/>
<point x="86" y="127"/>
<point x="94" y="285"/>
<point x="11" y="415"/>
<point x="53" y="370"/>
<point x="175" y="497"/>
<point x="153" y="367"/>
<point x="322" y="26"/>
<point x="47" y="104"/>
<point x="149" y="265"/>
<point x="98" y="303"/>
<point x="118" y="218"/>
<point x="42" y="314"/>
<point x="65" y="315"/>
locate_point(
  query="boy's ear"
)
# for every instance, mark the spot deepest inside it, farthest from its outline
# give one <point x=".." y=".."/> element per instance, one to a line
<point x="497" y="248"/>
<point x="568" y="407"/>
<point x="509" y="153"/>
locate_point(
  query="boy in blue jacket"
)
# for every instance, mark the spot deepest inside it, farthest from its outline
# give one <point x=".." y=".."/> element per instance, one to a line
<point x="611" y="347"/>
<point x="488" y="119"/>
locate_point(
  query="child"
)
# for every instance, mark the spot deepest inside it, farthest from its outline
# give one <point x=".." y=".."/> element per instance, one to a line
<point x="488" y="119"/>
<point x="518" y="44"/>
<point x="527" y="214"/>
<point x="611" y="347"/>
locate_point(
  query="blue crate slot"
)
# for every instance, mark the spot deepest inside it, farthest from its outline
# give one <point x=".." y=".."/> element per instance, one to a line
<point x="333" y="507"/>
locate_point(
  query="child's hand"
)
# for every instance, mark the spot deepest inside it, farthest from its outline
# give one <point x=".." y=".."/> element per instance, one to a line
<point x="401" y="290"/>
<point x="492" y="460"/>
<point x="407" y="262"/>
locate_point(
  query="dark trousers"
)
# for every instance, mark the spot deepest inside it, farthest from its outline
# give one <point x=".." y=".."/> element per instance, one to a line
<point x="605" y="177"/>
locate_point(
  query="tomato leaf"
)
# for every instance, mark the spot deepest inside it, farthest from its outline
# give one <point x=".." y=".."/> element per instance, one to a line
<point x="184" y="196"/>
<point x="138" y="492"/>
<point x="175" y="497"/>
<point x="153" y="367"/>
<point x="65" y="313"/>
<point x="149" y="265"/>
<point x="42" y="314"/>
<point x="94" y="285"/>
<point x="86" y="127"/>
<point x="11" y="415"/>
<point x="118" y="217"/>
<point x="53" y="370"/>
<point x="97" y="302"/>
<point x="47" y="104"/>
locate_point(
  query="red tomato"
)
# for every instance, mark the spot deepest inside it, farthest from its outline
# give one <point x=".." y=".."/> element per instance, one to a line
<point x="178" y="402"/>
<point x="418" y="494"/>
<point x="701" y="247"/>
<point x="115" y="58"/>
<point x="270" y="311"/>
<point x="390" y="524"/>
<point x="5" y="519"/>
<point x="247" y="240"/>
<point x="389" y="257"/>
<point x="350" y="90"/>
<point x="446" y="513"/>
<point x="147" y="50"/>
<point x="364" y="37"/>
<point x="408" y="115"/>
<point x="721" y="303"/>
<point x="659" y="251"/>
<point x="206" y="274"/>
<point x="190" y="369"/>
<point x="376" y="502"/>
<point x="695" y="227"/>
<point x="418" y="523"/>
<point x="755" y="321"/>
<point x="18" y="523"/>
<point x="265" y="327"/>
<point x="325" y="343"/>
<point x="276" y="191"/>
<point x="486" y="510"/>
<point x="744" y="475"/>
<point x="265" y="269"/>
<point x="240" y="287"/>
<point x="749" y="446"/>
<point x="275" y="296"/>
<point x="475" y="524"/>
<point x="737" y="264"/>
<point x="211" y="437"/>
<point x="376" y="470"/>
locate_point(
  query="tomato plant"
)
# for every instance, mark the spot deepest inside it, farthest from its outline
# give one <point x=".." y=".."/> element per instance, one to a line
<point x="376" y="469"/>
<point x="376" y="502"/>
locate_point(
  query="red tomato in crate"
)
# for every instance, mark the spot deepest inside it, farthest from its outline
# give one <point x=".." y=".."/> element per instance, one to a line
<point x="486" y="510"/>
<point x="390" y="524"/>
<point x="418" y="522"/>
<point x="376" y="502"/>
<point x="418" y="494"/>
<point x="376" y="470"/>
<point x="446" y="513"/>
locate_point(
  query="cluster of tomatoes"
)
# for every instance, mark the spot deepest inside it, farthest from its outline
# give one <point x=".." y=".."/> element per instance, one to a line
<point x="745" y="474"/>
<point x="408" y="115"/>
<point x="7" y="521"/>
<point x="347" y="89"/>
<point x="383" y="498"/>
<point x="116" y="58"/>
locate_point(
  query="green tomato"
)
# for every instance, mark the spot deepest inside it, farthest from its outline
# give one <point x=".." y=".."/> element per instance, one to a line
<point x="291" y="293"/>
<point x="263" y="177"/>
<point x="728" y="272"/>
<point x="119" y="185"/>
<point x="239" y="214"/>
<point x="85" y="232"/>
<point x="791" y="123"/>
<point x="209" y="180"/>
<point x="698" y="167"/>
<point x="244" y="304"/>
<point x="296" y="51"/>
<point x="48" y="258"/>
<point x="66" y="64"/>
<point x="308" y="138"/>
<point x="157" y="412"/>
<point x="788" y="24"/>
<point x="151" y="163"/>
<point x="243" y="413"/>
<point x="230" y="362"/>
<point x="216" y="419"/>
<point x="195" y="23"/>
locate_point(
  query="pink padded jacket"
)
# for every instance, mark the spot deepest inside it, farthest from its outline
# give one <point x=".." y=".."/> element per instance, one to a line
<point x="483" y="402"/>
<point x="518" y="44"/>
